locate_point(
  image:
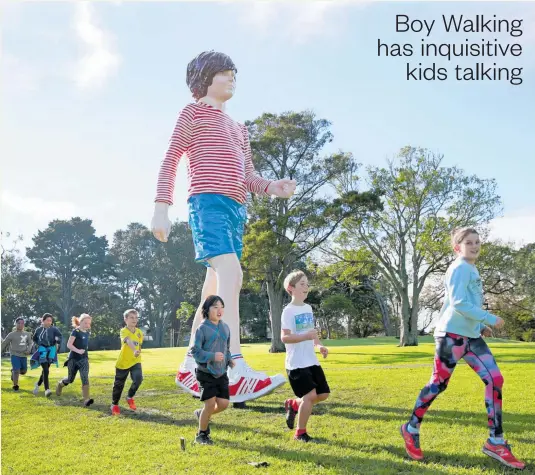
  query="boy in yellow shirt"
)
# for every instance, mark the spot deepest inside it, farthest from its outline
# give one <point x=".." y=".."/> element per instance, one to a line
<point x="129" y="362"/>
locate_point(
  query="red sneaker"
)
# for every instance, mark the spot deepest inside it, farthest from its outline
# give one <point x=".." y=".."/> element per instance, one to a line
<point x="185" y="377"/>
<point x="246" y="384"/>
<point x="412" y="443"/>
<point x="502" y="453"/>
<point x="115" y="411"/>
<point x="131" y="403"/>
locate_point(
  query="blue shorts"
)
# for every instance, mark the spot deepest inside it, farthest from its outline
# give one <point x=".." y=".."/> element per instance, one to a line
<point x="217" y="223"/>
<point x="19" y="363"/>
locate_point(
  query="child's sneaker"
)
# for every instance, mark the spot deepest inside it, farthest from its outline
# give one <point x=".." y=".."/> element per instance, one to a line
<point x="59" y="388"/>
<point x="502" y="453"/>
<point x="304" y="437"/>
<point x="15" y="388"/>
<point x="48" y="393"/>
<point x="89" y="402"/>
<point x="203" y="438"/>
<point x="290" y="413"/>
<point x="35" y="390"/>
<point x="115" y="411"/>
<point x="412" y="443"/>
<point x="131" y="403"/>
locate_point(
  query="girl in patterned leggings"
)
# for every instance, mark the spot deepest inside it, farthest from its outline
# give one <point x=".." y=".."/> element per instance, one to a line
<point x="461" y="326"/>
<point x="78" y="360"/>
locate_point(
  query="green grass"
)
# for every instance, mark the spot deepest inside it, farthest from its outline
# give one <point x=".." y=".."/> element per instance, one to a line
<point x="373" y="382"/>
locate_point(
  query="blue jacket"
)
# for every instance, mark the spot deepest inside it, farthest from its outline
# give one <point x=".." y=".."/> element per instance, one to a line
<point x="462" y="311"/>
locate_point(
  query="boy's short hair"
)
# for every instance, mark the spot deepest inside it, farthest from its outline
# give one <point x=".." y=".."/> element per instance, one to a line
<point x="292" y="279"/>
<point x="130" y="311"/>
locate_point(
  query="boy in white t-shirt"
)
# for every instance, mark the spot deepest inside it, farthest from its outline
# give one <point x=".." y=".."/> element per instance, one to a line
<point x="304" y="371"/>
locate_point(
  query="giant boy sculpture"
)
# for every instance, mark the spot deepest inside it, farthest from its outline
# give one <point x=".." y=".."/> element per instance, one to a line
<point x="220" y="172"/>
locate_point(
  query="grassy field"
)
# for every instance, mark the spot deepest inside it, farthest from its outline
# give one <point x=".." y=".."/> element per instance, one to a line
<point x="373" y="382"/>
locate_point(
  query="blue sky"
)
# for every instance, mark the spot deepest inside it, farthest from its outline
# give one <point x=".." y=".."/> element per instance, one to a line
<point x="92" y="91"/>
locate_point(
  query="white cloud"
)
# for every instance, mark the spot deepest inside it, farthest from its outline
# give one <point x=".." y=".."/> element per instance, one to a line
<point x="298" y="21"/>
<point x="517" y="227"/>
<point x="100" y="60"/>
<point x="37" y="209"/>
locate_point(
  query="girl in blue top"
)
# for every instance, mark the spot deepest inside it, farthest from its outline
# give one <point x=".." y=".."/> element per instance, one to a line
<point x="461" y="325"/>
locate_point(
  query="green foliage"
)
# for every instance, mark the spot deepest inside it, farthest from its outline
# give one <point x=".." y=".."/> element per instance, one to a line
<point x="409" y="237"/>
<point x="281" y="233"/>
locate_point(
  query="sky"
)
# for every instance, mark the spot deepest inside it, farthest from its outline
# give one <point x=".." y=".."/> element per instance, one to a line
<point x="91" y="92"/>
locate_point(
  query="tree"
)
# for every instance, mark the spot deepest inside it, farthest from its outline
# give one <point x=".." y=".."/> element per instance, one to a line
<point x="185" y="312"/>
<point x="156" y="277"/>
<point x="25" y="293"/>
<point x="71" y="253"/>
<point x="509" y="280"/>
<point x="355" y="273"/>
<point x="282" y="232"/>
<point x="410" y="237"/>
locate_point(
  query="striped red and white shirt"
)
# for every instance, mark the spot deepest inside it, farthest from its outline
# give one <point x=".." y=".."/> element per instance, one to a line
<point x="218" y="152"/>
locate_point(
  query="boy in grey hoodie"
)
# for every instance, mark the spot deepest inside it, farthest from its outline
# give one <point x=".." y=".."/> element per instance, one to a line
<point x="20" y="343"/>
<point x="211" y="351"/>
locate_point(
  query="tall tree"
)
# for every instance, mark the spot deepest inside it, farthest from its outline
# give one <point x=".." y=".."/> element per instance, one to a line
<point x="70" y="252"/>
<point x="410" y="237"/>
<point x="25" y="293"/>
<point x="156" y="277"/>
<point x="282" y="233"/>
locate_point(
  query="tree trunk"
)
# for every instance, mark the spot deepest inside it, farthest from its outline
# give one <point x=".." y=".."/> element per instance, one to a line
<point x="385" y="316"/>
<point x="409" y="325"/>
<point x="275" y="297"/>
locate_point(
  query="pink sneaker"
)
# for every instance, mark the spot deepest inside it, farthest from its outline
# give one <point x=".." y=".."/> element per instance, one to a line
<point x="502" y="453"/>
<point x="185" y="377"/>
<point x="245" y="384"/>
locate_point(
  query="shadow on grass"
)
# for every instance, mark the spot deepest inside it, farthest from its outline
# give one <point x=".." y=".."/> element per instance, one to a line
<point x="512" y="422"/>
<point x="143" y="415"/>
<point x="353" y="464"/>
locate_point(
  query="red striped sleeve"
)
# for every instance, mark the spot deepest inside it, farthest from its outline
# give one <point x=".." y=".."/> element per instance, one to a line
<point x="253" y="182"/>
<point x="219" y="155"/>
<point x="178" y="145"/>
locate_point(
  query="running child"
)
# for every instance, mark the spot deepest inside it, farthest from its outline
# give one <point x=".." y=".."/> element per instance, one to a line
<point x="211" y="351"/>
<point x="129" y="362"/>
<point x="20" y="343"/>
<point x="459" y="334"/>
<point x="48" y="339"/>
<point x="78" y="359"/>
<point x="304" y="371"/>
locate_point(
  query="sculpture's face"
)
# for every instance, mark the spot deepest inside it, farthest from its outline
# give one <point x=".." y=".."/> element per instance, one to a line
<point x="223" y="86"/>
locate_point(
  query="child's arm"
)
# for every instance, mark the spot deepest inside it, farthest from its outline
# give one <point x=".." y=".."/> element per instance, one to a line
<point x="288" y="337"/>
<point x="197" y="351"/>
<point x="323" y="349"/>
<point x="457" y="284"/>
<point x="6" y="342"/>
<point x="130" y="343"/>
<point x="230" y="361"/>
<point x="70" y="346"/>
<point x="58" y="337"/>
<point x="29" y="344"/>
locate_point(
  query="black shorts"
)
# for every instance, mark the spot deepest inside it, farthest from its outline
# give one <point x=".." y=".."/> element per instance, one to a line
<point x="304" y="380"/>
<point x="210" y="386"/>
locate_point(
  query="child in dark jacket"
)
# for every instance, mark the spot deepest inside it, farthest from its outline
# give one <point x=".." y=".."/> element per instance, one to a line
<point x="211" y="351"/>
